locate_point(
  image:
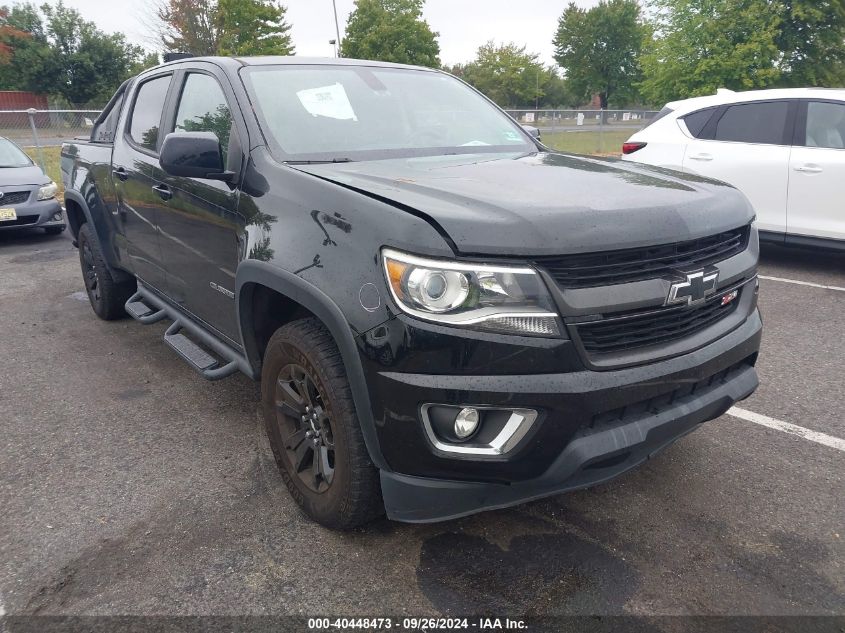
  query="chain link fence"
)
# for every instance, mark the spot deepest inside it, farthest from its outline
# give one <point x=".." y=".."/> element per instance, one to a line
<point x="42" y="132"/>
<point x="585" y="131"/>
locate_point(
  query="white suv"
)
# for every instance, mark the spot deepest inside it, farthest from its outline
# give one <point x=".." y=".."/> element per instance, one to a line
<point x="784" y="149"/>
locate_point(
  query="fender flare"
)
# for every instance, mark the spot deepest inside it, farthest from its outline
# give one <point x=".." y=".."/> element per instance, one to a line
<point x="118" y="273"/>
<point x="79" y="200"/>
<point x="320" y="305"/>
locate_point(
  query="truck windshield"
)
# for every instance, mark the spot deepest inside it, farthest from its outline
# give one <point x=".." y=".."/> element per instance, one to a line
<point x="11" y="155"/>
<point x="347" y="113"/>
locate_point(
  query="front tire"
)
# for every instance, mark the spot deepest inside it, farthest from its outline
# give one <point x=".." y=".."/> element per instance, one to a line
<point x="313" y="427"/>
<point x="107" y="296"/>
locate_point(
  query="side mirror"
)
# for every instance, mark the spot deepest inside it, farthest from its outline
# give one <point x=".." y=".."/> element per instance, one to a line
<point x="193" y="155"/>
<point x="533" y="131"/>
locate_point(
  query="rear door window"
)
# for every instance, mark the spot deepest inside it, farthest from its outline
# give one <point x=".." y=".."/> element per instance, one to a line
<point x="104" y="130"/>
<point x="825" y="125"/>
<point x="695" y="121"/>
<point x="145" y="120"/>
<point x="760" y="123"/>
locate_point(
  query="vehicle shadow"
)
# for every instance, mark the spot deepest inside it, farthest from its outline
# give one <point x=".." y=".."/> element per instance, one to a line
<point x="800" y="259"/>
<point x="23" y="237"/>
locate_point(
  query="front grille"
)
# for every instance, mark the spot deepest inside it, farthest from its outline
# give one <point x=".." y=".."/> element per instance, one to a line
<point x="651" y="327"/>
<point x="14" y="197"/>
<point x="22" y="220"/>
<point x="636" y="264"/>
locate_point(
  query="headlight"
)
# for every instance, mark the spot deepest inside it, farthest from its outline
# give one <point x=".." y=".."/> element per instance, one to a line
<point x="48" y="191"/>
<point x="499" y="298"/>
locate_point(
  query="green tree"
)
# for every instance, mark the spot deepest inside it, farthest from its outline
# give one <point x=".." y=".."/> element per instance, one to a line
<point x="507" y="74"/>
<point x="391" y="31"/>
<point x="253" y="27"/>
<point x="599" y="49"/>
<point x="147" y="61"/>
<point x="64" y="55"/>
<point x="22" y="45"/>
<point x="703" y="45"/>
<point x="811" y="41"/>
<point x="188" y="26"/>
<point x="86" y="64"/>
<point x="557" y="93"/>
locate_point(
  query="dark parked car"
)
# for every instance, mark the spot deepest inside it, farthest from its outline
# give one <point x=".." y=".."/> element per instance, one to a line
<point x="27" y="195"/>
<point x="445" y="316"/>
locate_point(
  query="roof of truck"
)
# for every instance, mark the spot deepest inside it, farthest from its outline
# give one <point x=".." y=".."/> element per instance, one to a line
<point x="279" y="60"/>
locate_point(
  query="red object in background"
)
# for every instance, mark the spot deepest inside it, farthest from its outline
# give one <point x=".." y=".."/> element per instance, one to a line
<point x="17" y="100"/>
<point x="630" y="148"/>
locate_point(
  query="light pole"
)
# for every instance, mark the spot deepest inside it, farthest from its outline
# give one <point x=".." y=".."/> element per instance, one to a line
<point x="336" y="28"/>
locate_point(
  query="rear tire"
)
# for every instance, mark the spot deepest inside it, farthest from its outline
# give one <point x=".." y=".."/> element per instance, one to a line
<point x="314" y="430"/>
<point x="107" y="296"/>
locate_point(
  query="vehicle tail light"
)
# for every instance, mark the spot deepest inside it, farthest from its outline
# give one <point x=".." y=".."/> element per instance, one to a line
<point x="630" y="148"/>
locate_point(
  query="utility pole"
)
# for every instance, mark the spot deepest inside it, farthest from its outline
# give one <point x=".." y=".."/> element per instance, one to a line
<point x="336" y="28"/>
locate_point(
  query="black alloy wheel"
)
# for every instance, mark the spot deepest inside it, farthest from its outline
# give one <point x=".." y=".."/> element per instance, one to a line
<point x="89" y="274"/>
<point x="313" y="427"/>
<point x="305" y="427"/>
<point x="107" y="296"/>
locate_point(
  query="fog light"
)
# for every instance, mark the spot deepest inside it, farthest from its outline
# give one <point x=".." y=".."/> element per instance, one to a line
<point x="57" y="216"/>
<point x="481" y="431"/>
<point x="466" y="423"/>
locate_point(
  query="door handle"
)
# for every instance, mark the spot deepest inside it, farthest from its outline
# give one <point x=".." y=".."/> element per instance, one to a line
<point x="701" y="156"/>
<point x="163" y="191"/>
<point x="120" y="173"/>
<point x="809" y="169"/>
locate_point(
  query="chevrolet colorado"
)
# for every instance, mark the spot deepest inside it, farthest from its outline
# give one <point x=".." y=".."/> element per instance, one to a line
<point x="445" y="316"/>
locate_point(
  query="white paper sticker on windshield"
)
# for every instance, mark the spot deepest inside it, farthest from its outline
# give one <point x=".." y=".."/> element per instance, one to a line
<point x="330" y="101"/>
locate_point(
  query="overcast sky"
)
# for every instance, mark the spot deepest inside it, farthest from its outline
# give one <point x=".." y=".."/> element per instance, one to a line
<point x="463" y="24"/>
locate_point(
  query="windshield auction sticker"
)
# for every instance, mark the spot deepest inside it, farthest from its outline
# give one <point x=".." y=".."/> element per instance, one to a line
<point x="329" y="101"/>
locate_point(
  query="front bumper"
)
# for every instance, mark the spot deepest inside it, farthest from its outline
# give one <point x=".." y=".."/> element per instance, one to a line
<point x="593" y="425"/>
<point x="35" y="215"/>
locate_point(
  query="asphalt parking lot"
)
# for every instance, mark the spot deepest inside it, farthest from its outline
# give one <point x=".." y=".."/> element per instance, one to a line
<point x="130" y="485"/>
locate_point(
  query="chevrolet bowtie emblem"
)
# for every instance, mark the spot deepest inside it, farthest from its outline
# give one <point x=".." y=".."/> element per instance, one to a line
<point x="694" y="290"/>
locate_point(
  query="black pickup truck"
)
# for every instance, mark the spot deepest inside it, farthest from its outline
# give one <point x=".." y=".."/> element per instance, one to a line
<point x="445" y="316"/>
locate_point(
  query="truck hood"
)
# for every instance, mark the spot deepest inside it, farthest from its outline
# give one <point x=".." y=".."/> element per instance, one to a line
<point x="546" y="203"/>
<point x="30" y="175"/>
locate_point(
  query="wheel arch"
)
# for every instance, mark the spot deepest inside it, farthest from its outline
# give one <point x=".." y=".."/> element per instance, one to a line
<point x="76" y="214"/>
<point x="304" y="299"/>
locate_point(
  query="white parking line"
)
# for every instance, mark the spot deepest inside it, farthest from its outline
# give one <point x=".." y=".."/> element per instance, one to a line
<point x="801" y="283"/>
<point x="786" y="427"/>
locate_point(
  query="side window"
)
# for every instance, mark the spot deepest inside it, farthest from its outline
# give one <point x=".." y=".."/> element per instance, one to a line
<point x="146" y="113"/>
<point x="695" y="121"/>
<point x="103" y="131"/>
<point x="754" y="123"/>
<point x="203" y="108"/>
<point x="664" y="111"/>
<point x="825" y="125"/>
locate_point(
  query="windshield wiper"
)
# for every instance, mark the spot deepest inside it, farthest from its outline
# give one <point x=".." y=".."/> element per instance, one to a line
<point x="319" y="162"/>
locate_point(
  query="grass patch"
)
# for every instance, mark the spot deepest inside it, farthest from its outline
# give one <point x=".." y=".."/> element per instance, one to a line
<point x="608" y="143"/>
<point x="52" y="164"/>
